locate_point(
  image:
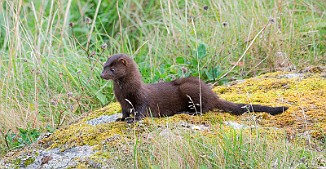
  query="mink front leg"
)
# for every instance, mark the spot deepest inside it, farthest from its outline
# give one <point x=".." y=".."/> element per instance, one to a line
<point x="125" y="113"/>
<point x="139" y="113"/>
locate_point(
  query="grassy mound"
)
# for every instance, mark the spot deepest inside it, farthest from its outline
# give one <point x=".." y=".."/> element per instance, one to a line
<point x="295" y="138"/>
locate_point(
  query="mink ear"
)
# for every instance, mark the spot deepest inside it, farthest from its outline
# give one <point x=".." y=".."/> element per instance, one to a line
<point x="123" y="61"/>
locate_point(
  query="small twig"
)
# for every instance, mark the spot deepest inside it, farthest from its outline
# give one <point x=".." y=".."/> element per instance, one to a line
<point x="244" y="53"/>
<point x="59" y="119"/>
<point x="76" y="40"/>
<point x="120" y="24"/>
<point x="93" y="24"/>
<point x="5" y="137"/>
<point x="140" y="47"/>
<point x="193" y="105"/>
<point x="305" y="124"/>
<point x="133" y="108"/>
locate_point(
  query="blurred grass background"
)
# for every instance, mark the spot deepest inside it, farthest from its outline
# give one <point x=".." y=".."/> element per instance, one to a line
<point x="52" y="51"/>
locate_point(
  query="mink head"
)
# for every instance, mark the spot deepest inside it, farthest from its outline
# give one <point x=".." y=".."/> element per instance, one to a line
<point x="116" y="67"/>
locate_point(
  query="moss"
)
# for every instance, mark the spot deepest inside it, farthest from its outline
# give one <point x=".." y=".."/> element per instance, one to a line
<point x="17" y="161"/>
<point x="23" y="161"/>
<point x="101" y="154"/>
<point x="84" y="134"/>
<point x="304" y="95"/>
<point x="303" y="124"/>
<point x="29" y="161"/>
<point x="108" y="110"/>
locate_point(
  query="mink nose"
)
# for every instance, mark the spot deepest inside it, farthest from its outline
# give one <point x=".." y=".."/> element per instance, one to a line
<point x="102" y="75"/>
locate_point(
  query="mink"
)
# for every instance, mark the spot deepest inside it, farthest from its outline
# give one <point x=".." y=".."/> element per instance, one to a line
<point x="184" y="95"/>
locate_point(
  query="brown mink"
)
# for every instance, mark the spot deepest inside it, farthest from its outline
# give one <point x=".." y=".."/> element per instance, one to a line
<point x="184" y="95"/>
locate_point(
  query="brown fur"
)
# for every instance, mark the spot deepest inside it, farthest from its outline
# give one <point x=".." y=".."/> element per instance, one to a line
<point x="184" y="95"/>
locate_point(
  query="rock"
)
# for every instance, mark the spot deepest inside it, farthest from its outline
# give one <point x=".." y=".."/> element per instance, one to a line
<point x="235" y="125"/>
<point x="56" y="159"/>
<point x="104" y="119"/>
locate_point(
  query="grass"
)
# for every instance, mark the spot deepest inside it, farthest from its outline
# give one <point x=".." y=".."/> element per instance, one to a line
<point x="228" y="149"/>
<point x="49" y="71"/>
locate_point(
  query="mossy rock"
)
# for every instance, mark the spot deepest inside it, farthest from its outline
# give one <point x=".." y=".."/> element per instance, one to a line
<point x="106" y="143"/>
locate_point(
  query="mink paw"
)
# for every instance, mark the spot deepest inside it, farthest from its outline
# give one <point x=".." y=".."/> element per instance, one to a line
<point x="130" y="120"/>
<point x="120" y="119"/>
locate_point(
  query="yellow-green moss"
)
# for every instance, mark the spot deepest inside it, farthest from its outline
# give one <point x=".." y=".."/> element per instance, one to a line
<point x="305" y="95"/>
<point x="19" y="162"/>
<point x="84" y="134"/>
<point x="108" y="110"/>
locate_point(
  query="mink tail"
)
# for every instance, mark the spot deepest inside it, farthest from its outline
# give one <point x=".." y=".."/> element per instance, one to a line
<point x="238" y="109"/>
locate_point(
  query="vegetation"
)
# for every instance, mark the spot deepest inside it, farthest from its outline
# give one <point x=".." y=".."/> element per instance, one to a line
<point x="52" y="51"/>
<point x="294" y="139"/>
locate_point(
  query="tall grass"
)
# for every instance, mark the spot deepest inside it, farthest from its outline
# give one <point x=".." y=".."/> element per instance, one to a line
<point x="49" y="70"/>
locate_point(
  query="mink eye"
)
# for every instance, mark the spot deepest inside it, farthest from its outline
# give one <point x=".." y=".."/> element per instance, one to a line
<point x="112" y="70"/>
